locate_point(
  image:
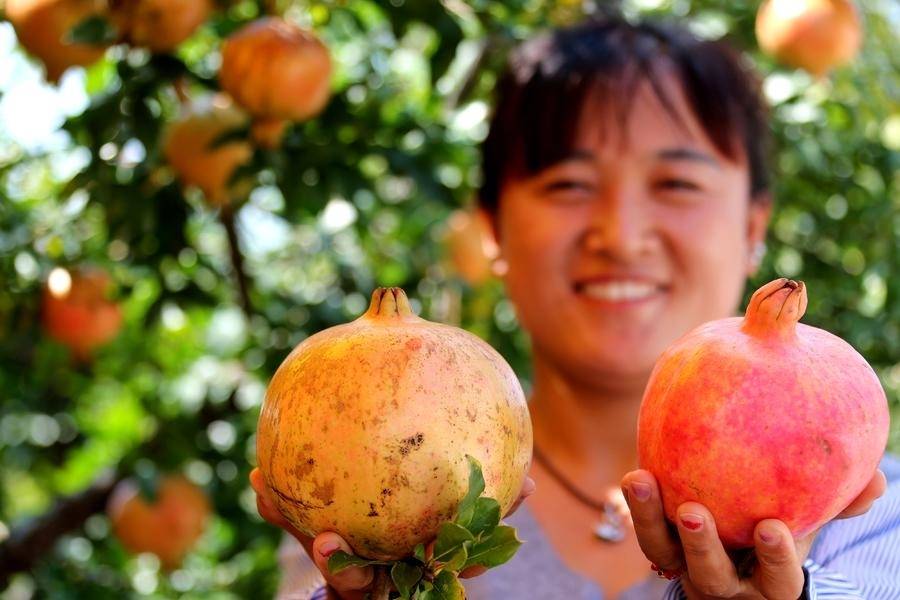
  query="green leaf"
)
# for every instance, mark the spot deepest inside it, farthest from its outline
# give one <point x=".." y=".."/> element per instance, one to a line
<point x="405" y="577"/>
<point x="446" y="587"/>
<point x="340" y="560"/>
<point x="95" y="30"/>
<point x="495" y="549"/>
<point x="476" y="487"/>
<point x="485" y="517"/>
<point x="419" y="552"/>
<point x="456" y="560"/>
<point x="422" y="590"/>
<point x="450" y="538"/>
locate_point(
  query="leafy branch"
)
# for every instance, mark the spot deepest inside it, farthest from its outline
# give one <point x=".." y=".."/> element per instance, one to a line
<point x="226" y="216"/>
<point x="474" y="537"/>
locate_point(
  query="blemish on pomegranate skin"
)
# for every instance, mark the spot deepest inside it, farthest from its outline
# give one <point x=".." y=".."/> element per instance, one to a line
<point x="372" y="511"/>
<point x="414" y="343"/>
<point x="413" y="442"/>
<point x="324" y="492"/>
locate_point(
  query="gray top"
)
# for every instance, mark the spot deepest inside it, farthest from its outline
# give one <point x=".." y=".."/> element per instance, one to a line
<point x="537" y="571"/>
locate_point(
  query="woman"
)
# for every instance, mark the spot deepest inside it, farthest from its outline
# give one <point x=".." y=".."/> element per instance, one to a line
<point x="624" y="176"/>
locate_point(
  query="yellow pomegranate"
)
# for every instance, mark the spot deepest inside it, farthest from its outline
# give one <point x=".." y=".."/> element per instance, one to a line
<point x="168" y="527"/>
<point x="470" y="246"/>
<point x="188" y="148"/>
<point x="42" y="26"/>
<point x="277" y="71"/>
<point x="160" y="25"/>
<point x="366" y="426"/>
<point x="815" y="35"/>
<point x="77" y="311"/>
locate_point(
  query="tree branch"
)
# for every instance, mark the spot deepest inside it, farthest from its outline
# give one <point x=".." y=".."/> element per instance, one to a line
<point x="32" y="540"/>
<point x="29" y="542"/>
<point x="226" y="216"/>
<point x="467" y="85"/>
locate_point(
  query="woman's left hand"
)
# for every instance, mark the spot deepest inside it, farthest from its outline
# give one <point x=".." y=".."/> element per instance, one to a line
<point x="698" y="554"/>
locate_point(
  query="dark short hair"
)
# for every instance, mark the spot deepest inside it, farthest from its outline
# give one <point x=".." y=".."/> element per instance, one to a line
<point x="548" y="78"/>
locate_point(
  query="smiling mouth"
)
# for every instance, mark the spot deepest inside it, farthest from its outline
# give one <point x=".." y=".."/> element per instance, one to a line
<point x="619" y="291"/>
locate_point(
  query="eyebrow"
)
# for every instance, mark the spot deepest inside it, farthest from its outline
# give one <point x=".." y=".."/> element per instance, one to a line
<point x="687" y="154"/>
<point x="577" y="156"/>
<point x="665" y="154"/>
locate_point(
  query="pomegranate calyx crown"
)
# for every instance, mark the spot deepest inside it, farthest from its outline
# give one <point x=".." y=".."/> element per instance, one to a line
<point x="390" y="302"/>
<point x="775" y="309"/>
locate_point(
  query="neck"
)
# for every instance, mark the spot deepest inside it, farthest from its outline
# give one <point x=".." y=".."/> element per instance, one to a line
<point x="587" y="429"/>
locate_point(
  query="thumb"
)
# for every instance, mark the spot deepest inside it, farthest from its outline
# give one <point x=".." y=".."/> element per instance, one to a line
<point x="351" y="579"/>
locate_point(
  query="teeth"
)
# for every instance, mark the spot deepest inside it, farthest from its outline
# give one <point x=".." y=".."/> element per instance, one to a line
<point x="617" y="291"/>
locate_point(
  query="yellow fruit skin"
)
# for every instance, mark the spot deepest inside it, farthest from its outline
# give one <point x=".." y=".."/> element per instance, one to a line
<point x="366" y="426"/>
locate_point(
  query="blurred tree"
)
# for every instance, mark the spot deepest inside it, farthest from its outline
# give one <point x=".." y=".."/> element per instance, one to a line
<point x="213" y="297"/>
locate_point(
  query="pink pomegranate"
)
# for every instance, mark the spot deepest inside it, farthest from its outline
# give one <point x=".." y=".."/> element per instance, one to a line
<point x="762" y="417"/>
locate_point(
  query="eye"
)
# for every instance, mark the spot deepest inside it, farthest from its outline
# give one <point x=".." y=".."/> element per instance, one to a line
<point x="568" y="184"/>
<point x="677" y="184"/>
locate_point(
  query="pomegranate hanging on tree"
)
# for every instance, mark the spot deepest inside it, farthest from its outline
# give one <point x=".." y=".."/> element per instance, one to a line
<point x="278" y="72"/>
<point x="196" y="152"/>
<point x="43" y="27"/>
<point x="815" y="35"/>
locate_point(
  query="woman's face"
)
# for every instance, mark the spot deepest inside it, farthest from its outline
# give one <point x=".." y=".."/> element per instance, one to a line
<point x="645" y="232"/>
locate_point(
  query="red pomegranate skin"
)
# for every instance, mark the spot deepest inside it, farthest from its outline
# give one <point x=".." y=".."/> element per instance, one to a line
<point x="762" y="417"/>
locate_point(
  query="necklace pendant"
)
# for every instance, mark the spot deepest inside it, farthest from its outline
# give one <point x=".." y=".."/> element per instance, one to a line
<point x="611" y="532"/>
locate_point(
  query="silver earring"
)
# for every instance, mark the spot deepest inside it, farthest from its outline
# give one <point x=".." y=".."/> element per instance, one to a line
<point x="759" y="252"/>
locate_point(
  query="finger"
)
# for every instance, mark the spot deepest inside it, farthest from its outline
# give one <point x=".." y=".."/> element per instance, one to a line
<point x="528" y="488"/>
<point x="804" y="544"/>
<point x="264" y="502"/>
<point x="650" y="525"/>
<point x="778" y="574"/>
<point x="348" y="580"/>
<point x="709" y="568"/>
<point x="265" y="505"/>
<point x="863" y="502"/>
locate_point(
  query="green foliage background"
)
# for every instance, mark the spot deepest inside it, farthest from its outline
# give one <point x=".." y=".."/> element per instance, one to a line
<point x="396" y="149"/>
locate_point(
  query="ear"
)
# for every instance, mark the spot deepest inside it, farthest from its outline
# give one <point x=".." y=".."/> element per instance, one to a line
<point x="757" y="223"/>
<point x="490" y="230"/>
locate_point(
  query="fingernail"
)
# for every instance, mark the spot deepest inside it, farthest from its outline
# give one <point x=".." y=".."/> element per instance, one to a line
<point x="329" y="548"/>
<point x="641" y="491"/>
<point x="691" y="521"/>
<point x="769" y="536"/>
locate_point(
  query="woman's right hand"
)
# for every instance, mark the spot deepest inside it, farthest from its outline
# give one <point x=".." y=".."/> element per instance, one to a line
<point x="351" y="583"/>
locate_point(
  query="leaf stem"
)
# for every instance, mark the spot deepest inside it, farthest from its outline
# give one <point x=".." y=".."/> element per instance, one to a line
<point x="381" y="590"/>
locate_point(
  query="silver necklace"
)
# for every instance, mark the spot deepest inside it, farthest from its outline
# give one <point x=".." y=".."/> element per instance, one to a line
<point x="611" y="527"/>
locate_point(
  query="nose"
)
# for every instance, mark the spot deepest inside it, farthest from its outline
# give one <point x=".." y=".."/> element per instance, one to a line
<point x="620" y="223"/>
